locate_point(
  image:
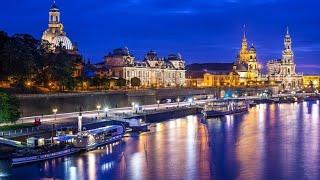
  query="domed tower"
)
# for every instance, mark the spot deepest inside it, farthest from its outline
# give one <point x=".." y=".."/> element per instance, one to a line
<point x="54" y="33"/>
<point x="252" y="53"/>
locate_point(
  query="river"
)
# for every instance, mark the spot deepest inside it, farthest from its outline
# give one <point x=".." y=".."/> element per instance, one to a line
<point x="276" y="141"/>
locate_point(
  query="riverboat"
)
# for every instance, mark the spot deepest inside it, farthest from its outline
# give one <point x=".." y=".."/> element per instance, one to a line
<point x="222" y="108"/>
<point x="25" y="159"/>
<point x="92" y="139"/>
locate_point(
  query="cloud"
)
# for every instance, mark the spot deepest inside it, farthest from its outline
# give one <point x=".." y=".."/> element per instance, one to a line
<point x="308" y="48"/>
<point x="314" y="66"/>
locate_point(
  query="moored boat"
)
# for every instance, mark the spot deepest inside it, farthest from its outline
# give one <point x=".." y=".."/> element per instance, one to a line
<point x="25" y="159"/>
<point x="92" y="139"/>
<point x="222" y="108"/>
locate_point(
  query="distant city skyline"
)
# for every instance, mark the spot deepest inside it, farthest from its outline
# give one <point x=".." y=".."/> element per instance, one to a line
<point x="202" y="31"/>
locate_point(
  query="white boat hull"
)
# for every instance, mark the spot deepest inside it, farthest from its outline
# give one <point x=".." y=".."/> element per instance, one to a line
<point x="24" y="160"/>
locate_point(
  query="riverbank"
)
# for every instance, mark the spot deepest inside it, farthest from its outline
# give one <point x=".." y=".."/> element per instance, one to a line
<point x="42" y="104"/>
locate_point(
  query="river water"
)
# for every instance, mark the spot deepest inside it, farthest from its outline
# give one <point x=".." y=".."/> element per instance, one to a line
<point x="277" y="141"/>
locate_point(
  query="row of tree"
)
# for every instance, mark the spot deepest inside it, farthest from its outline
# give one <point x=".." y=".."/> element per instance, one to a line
<point x="9" y="108"/>
<point x="107" y="83"/>
<point x="24" y="58"/>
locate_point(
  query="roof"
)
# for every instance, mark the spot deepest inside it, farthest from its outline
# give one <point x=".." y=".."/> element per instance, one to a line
<point x="210" y="67"/>
<point x="103" y="129"/>
<point x="241" y="67"/>
<point x="64" y="138"/>
<point x="120" y="52"/>
<point x="54" y="6"/>
<point x="194" y="74"/>
<point x="198" y="70"/>
<point x="174" y="57"/>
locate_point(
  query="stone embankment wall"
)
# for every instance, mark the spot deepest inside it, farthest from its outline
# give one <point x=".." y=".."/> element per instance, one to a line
<point x="42" y="104"/>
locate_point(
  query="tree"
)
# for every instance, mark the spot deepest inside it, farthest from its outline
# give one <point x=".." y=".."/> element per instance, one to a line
<point x="105" y="82"/>
<point x="9" y="108"/>
<point x="135" y="82"/>
<point x="60" y="68"/>
<point x="121" y="82"/>
<point x="3" y="61"/>
<point x="96" y="81"/>
<point x="20" y="54"/>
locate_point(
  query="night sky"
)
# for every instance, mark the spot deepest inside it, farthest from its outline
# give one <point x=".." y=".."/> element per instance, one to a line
<point x="201" y="30"/>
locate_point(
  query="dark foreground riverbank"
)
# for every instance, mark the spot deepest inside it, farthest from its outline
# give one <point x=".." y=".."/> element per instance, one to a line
<point x="277" y="141"/>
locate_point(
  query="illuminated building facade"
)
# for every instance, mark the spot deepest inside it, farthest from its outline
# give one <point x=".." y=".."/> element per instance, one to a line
<point x="247" y="65"/>
<point x="283" y="71"/>
<point x="216" y="79"/>
<point x="57" y="39"/>
<point x="153" y="71"/>
<point x="311" y="81"/>
<point x="54" y="34"/>
<point x="212" y="75"/>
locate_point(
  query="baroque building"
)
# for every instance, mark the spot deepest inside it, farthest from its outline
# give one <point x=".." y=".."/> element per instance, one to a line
<point x="212" y="75"/>
<point x="58" y="40"/>
<point x="282" y="72"/>
<point x="247" y="65"/>
<point x="54" y="34"/>
<point x="311" y="81"/>
<point x="153" y="71"/>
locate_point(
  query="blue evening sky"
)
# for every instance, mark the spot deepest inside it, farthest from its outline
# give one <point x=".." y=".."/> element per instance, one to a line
<point x="201" y="30"/>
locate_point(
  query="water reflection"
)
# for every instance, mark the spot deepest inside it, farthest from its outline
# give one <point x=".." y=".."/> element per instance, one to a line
<point x="278" y="141"/>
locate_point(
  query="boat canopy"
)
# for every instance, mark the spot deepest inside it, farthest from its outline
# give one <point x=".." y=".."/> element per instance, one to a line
<point x="64" y="138"/>
<point x="102" y="129"/>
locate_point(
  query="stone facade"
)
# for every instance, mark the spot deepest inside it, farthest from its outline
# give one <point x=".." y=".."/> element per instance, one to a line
<point x="282" y="72"/>
<point x="153" y="71"/>
<point x="247" y="65"/>
<point x="311" y="81"/>
<point x="54" y="34"/>
<point x="231" y="79"/>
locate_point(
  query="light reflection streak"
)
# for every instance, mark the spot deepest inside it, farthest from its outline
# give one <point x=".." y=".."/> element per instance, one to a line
<point x="92" y="166"/>
<point x="73" y="173"/>
<point x="191" y="150"/>
<point x="107" y="166"/>
<point x="136" y="165"/>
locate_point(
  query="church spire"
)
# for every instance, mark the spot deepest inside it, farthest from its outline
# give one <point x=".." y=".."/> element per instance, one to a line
<point x="244" y="43"/>
<point x="287" y="52"/>
<point x="244" y="31"/>
<point x="54" y="5"/>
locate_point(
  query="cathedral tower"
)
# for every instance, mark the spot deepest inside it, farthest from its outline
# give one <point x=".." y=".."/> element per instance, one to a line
<point x="287" y="53"/>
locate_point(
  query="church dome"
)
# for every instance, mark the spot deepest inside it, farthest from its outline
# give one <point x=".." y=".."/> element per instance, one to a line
<point x="252" y="49"/>
<point x="64" y="41"/>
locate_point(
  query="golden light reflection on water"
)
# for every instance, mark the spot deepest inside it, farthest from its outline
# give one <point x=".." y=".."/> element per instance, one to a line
<point x="250" y="139"/>
<point x="92" y="166"/>
<point x="278" y="141"/>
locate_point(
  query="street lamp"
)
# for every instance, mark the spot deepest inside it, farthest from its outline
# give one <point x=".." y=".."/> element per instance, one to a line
<point x="98" y="107"/>
<point x="106" y="109"/>
<point x="80" y="122"/>
<point x="178" y="100"/>
<point x="54" y="110"/>
<point x="136" y="106"/>
<point x="190" y="101"/>
<point x="133" y="105"/>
